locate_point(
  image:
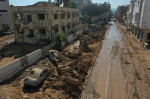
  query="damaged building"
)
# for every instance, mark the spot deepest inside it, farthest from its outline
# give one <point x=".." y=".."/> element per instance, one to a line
<point x="121" y="13"/>
<point x="39" y="23"/>
<point x="138" y="20"/>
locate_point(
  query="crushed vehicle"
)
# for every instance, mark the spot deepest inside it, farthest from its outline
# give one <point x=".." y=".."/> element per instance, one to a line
<point x="35" y="77"/>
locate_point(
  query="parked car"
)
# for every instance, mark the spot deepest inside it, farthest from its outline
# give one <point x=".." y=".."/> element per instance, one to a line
<point x="35" y="77"/>
<point x="10" y="31"/>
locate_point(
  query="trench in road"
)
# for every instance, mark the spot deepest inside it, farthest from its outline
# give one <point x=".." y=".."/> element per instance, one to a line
<point x="106" y="80"/>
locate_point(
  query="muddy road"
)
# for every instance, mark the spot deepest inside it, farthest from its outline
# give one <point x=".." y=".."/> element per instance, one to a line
<point x="106" y="78"/>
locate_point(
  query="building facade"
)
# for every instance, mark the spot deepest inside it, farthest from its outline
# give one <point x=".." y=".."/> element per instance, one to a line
<point x="4" y="15"/>
<point x="139" y="19"/>
<point x="39" y="23"/>
<point x="121" y="13"/>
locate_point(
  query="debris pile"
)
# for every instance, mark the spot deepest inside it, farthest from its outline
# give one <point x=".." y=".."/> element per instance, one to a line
<point x="74" y="63"/>
<point x="68" y="69"/>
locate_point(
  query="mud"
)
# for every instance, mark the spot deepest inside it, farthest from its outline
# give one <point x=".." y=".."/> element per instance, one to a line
<point x="120" y="71"/>
<point x="74" y="63"/>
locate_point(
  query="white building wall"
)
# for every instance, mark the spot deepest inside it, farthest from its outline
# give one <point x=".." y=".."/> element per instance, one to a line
<point x="145" y="15"/>
<point x="136" y="8"/>
<point x="4" y="16"/>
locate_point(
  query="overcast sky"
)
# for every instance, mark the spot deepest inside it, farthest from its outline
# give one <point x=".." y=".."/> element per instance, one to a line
<point x="114" y="3"/>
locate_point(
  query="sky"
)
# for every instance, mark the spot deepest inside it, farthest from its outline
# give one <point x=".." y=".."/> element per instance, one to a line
<point x="114" y="3"/>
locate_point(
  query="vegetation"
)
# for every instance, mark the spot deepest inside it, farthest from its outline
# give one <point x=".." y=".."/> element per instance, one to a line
<point x="73" y="5"/>
<point x="85" y="17"/>
<point x="60" y="38"/>
<point x="95" y="9"/>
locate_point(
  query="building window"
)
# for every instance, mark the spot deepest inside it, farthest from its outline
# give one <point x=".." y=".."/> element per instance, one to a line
<point x="42" y="31"/>
<point x="3" y="10"/>
<point x="73" y="25"/>
<point x="31" y="33"/>
<point x="41" y="16"/>
<point x="73" y="15"/>
<point x="29" y="18"/>
<point x="3" y="0"/>
<point x="55" y="16"/>
<point x="62" y="16"/>
<point x="56" y="30"/>
<point x="63" y="28"/>
<point x="68" y="16"/>
<point x="68" y="27"/>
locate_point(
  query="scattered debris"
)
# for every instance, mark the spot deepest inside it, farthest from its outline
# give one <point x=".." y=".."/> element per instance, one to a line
<point x="69" y="68"/>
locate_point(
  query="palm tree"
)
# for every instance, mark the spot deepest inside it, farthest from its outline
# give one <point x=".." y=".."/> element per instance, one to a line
<point x="85" y="17"/>
<point x="60" y="38"/>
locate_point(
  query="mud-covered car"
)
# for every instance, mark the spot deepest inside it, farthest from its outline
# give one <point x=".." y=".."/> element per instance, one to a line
<point x="35" y="77"/>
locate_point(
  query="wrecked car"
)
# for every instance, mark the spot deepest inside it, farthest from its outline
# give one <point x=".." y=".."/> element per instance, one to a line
<point x="35" y="77"/>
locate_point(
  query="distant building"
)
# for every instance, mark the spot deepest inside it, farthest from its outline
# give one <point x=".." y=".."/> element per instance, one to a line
<point x="39" y="23"/>
<point x="106" y="17"/>
<point x="121" y="13"/>
<point x="4" y="15"/>
<point x="129" y="14"/>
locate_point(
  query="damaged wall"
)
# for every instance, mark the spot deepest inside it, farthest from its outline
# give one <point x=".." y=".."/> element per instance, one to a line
<point x="8" y="71"/>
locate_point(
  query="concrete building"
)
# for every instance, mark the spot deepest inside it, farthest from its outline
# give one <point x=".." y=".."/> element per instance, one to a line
<point x="103" y="18"/>
<point x="121" y="13"/>
<point x="129" y="14"/>
<point x="140" y="23"/>
<point x="4" y="15"/>
<point x="39" y="23"/>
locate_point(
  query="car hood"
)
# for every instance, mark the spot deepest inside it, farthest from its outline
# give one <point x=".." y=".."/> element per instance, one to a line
<point x="29" y="81"/>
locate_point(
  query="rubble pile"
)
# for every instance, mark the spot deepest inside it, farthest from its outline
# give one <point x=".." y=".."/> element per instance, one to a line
<point x="68" y="69"/>
<point x="74" y="63"/>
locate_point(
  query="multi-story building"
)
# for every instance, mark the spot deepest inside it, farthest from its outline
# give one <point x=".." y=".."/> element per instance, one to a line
<point x="121" y="13"/>
<point x="140" y="23"/>
<point x="4" y="15"/>
<point x="39" y="23"/>
<point x="129" y="14"/>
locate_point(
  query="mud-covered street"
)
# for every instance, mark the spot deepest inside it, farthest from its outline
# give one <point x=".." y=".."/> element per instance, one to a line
<point x="106" y="81"/>
<point x="99" y="65"/>
<point x="115" y="74"/>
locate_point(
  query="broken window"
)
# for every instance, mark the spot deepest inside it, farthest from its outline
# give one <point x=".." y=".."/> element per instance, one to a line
<point x="63" y="28"/>
<point x="29" y="18"/>
<point x="42" y="31"/>
<point x="148" y="36"/>
<point x="68" y="27"/>
<point x="41" y="16"/>
<point x="56" y="29"/>
<point x="62" y="16"/>
<point x="68" y="16"/>
<point x="73" y="25"/>
<point x="55" y="16"/>
<point x="31" y="33"/>
<point x="73" y="15"/>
